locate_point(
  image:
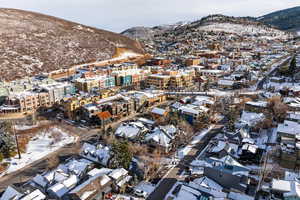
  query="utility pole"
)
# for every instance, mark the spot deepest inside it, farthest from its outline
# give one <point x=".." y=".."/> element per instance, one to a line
<point x="16" y="139"/>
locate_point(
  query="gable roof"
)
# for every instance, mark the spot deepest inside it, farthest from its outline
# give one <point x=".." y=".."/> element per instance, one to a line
<point x="11" y="193"/>
<point x="158" y="111"/>
<point x="104" y="115"/>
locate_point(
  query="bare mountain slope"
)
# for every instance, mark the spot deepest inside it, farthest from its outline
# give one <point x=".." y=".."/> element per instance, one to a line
<point x="31" y="43"/>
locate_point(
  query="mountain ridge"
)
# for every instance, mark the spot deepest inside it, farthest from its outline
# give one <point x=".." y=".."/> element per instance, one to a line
<point x="286" y="19"/>
<point x="32" y="43"/>
<point x="146" y="33"/>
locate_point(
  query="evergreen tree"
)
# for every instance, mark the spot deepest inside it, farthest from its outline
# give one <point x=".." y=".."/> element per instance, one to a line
<point x="7" y="141"/>
<point x="122" y="155"/>
<point x="293" y="65"/>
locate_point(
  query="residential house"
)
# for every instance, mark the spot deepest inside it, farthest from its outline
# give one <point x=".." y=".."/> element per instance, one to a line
<point x="162" y="137"/>
<point x="158" y="113"/>
<point x="99" y="154"/>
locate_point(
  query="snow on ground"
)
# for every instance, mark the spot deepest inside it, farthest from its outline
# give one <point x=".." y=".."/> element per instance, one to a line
<point x="39" y="147"/>
<point x="298" y="33"/>
<point x="200" y="136"/>
<point x="242" y="29"/>
<point x="279" y="86"/>
<point x="25" y="127"/>
<point x="185" y="151"/>
<point x="145" y="187"/>
<point x="124" y="55"/>
<point x="127" y="54"/>
<point x="273" y="136"/>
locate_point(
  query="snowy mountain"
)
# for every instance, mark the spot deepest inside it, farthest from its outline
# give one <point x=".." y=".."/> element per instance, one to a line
<point x="216" y="23"/>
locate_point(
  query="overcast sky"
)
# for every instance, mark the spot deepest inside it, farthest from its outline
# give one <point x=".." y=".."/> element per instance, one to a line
<point x="118" y="15"/>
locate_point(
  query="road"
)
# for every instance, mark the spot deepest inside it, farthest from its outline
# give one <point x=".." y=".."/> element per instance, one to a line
<point x="167" y="182"/>
<point x="21" y="176"/>
<point x="281" y="62"/>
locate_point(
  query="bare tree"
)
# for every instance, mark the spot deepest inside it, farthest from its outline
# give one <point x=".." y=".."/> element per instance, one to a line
<point x="278" y="108"/>
<point x="52" y="162"/>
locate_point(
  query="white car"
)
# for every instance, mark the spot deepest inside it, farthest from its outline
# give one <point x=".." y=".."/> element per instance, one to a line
<point x="140" y="193"/>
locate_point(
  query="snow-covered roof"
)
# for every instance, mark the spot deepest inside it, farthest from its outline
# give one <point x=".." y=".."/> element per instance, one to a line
<point x="289" y="127"/>
<point x="225" y="82"/>
<point x="35" y="195"/>
<point x="11" y="193"/>
<point x="250" y="147"/>
<point x="58" y="189"/>
<point x="281" y="185"/>
<point x="56" y="175"/>
<point x="158" y="111"/>
<point x="99" y="154"/>
<point x="145" y="187"/>
<point x="71" y="181"/>
<point x="251" y="118"/>
<point x="40" y="180"/>
<point x="263" y="104"/>
<point x="130" y="130"/>
<point x="162" y="135"/>
<point x="102" y="171"/>
<point x="295" y="190"/>
<point x="118" y="173"/>
<point x="294" y="116"/>
<point x="239" y="196"/>
<point x="206" y="182"/>
<point x="187" y="192"/>
<point x="229" y="147"/>
<point x="124" y="180"/>
<point x="77" y="166"/>
<point x="205" y="99"/>
<point x="103" y="180"/>
<point x="146" y="121"/>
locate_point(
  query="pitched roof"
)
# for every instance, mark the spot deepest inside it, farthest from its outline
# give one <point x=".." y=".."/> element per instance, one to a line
<point x="11" y="193"/>
<point x="159" y="111"/>
<point x="104" y="115"/>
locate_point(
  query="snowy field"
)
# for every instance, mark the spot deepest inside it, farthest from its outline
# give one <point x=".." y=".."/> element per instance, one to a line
<point x="279" y="86"/>
<point x="38" y="147"/>
<point x="25" y="127"/>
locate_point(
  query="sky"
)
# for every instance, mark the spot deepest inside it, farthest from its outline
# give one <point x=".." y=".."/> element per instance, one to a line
<point x="118" y="15"/>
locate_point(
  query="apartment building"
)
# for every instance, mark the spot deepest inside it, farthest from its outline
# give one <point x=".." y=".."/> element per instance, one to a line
<point x="192" y="62"/>
<point x="43" y="96"/>
<point x="171" y="79"/>
<point x="158" y="81"/>
<point x="63" y="73"/>
<point x="100" y="82"/>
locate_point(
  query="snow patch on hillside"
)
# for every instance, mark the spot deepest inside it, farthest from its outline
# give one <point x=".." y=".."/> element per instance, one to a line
<point x="241" y="29"/>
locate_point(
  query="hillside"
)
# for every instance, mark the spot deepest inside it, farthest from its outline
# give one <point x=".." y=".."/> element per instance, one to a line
<point x="217" y="23"/>
<point x="148" y="33"/>
<point x="32" y="43"/>
<point x="188" y="37"/>
<point x="288" y="19"/>
<point x="235" y="25"/>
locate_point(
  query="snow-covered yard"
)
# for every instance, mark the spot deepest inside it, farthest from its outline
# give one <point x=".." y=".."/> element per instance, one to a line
<point x="25" y="127"/>
<point x="185" y="151"/>
<point x="38" y="147"/>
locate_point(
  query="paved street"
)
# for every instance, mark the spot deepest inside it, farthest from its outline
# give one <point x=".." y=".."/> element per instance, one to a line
<point x="173" y="175"/>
